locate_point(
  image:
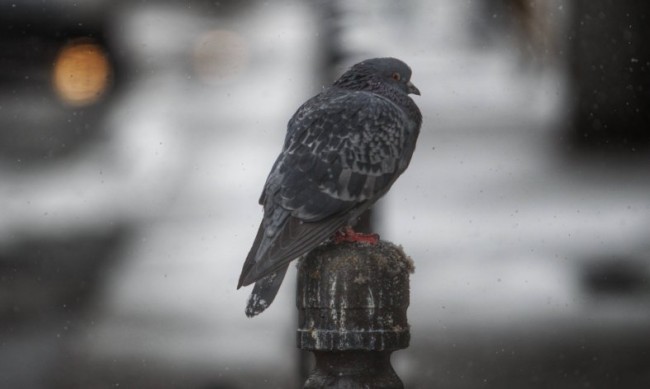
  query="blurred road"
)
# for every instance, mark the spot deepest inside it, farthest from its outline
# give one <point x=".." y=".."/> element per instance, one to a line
<point x="504" y="228"/>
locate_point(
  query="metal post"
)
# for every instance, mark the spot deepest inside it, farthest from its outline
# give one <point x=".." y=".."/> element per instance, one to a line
<point x="352" y="300"/>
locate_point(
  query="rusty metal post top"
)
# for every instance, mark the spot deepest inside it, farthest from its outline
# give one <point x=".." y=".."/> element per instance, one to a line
<point x="354" y="297"/>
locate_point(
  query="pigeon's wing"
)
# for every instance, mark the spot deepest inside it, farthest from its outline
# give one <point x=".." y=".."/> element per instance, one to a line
<point x="342" y="152"/>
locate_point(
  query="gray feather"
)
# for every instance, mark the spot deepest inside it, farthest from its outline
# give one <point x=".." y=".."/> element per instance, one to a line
<point x="343" y="150"/>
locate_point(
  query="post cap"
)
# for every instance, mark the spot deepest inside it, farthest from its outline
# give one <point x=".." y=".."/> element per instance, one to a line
<point x="354" y="296"/>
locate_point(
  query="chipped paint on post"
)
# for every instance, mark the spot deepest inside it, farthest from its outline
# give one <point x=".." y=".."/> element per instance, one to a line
<point x="352" y="300"/>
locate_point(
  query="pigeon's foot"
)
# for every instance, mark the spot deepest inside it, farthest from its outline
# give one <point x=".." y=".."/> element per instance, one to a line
<point x="347" y="234"/>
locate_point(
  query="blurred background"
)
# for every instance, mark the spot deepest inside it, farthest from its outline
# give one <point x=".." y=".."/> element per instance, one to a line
<point x="135" y="138"/>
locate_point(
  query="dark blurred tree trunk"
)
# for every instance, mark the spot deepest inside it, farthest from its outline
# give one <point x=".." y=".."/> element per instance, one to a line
<point x="610" y="64"/>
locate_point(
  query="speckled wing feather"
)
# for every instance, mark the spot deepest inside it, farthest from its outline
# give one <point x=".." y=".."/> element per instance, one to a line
<point x="343" y="151"/>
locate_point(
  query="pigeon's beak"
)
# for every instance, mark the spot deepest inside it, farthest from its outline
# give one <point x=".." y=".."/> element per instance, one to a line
<point x="412" y="88"/>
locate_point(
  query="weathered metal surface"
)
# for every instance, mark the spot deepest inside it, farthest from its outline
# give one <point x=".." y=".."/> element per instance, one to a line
<point x="352" y="301"/>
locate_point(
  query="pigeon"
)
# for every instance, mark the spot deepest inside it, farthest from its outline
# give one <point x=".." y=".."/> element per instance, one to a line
<point x="343" y="150"/>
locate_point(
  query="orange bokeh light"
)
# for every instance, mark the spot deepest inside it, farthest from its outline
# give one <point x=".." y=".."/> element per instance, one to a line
<point x="81" y="73"/>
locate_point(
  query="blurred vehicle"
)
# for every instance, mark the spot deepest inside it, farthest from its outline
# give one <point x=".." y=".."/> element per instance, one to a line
<point x="68" y="176"/>
<point x="57" y="78"/>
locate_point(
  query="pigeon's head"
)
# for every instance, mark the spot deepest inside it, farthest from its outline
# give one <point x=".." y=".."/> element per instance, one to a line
<point x="379" y="72"/>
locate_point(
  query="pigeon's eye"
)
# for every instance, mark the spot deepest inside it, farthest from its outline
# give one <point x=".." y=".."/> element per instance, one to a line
<point x="396" y="76"/>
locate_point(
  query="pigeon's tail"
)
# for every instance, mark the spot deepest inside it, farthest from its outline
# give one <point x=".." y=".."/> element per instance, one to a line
<point x="269" y="257"/>
<point x="264" y="292"/>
